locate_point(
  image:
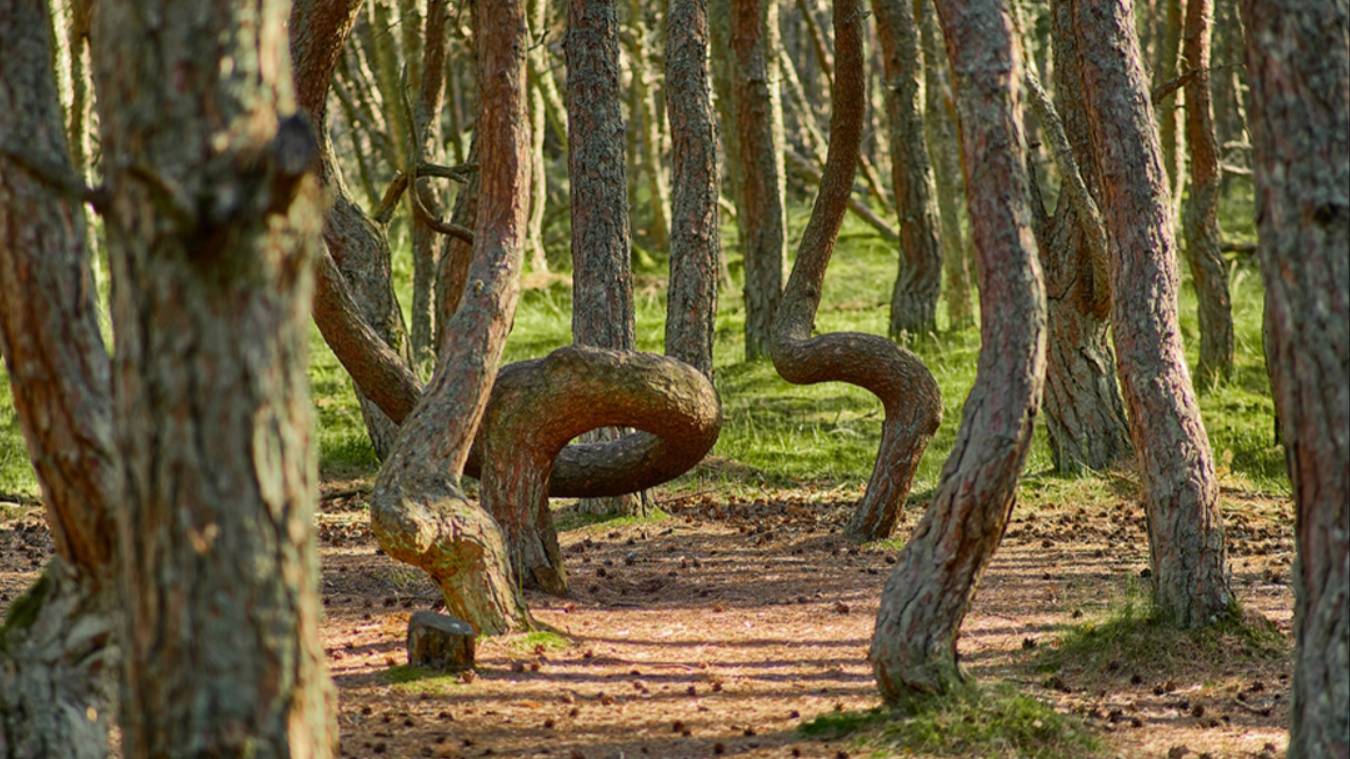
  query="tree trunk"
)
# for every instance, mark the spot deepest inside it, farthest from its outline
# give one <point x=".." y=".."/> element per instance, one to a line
<point x="695" y="246"/>
<point x="452" y="271"/>
<point x="418" y="511"/>
<point x="897" y="377"/>
<point x="428" y="247"/>
<point x="1186" y="543"/>
<point x="57" y="655"/>
<point x="940" y="133"/>
<point x="602" y="280"/>
<point x="761" y="211"/>
<point x="651" y="162"/>
<point x="927" y="596"/>
<point x="1298" y="61"/>
<point x="1200" y="211"/>
<point x="537" y="10"/>
<point x="212" y="223"/>
<point x="1169" y="113"/>
<point x="1083" y="412"/>
<point x="358" y="246"/>
<point x="914" y="299"/>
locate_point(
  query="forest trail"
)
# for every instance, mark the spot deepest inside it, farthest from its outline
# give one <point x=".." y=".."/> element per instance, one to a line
<point x="720" y="629"/>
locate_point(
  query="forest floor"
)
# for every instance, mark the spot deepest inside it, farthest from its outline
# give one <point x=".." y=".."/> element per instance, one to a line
<point x="741" y="629"/>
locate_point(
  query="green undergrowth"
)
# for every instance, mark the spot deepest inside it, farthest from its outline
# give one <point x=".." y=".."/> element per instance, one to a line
<point x="548" y="640"/>
<point x="1133" y="637"/>
<point x="973" y="720"/>
<point x="417" y="680"/>
<point x="571" y="518"/>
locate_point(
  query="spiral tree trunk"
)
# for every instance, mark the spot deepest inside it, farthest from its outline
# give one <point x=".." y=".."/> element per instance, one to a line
<point x="897" y="377"/>
<point x="927" y="596"/>
<point x="1186" y="542"/>
<point x="1298" y="59"/>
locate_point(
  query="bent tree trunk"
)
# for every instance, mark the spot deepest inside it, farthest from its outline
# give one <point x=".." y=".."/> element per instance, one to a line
<point x="418" y="512"/>
<point x="695" y="245"/>
<point x="1186" y="543"/>
<point x="759" y="187"/>
<point x="1298" y="59"/>
<point x="1200" y="210"/>
<point x="926" y="598"/>
<point x="58" y="658"/>
<point x="914" y="299"/>
<point x="212" y="223"/>
<point x="1084" y="415"/>
<point x="897" y="377"/>
<point x="602" y="280"/>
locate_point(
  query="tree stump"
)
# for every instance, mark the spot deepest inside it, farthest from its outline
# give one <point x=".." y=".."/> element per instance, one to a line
<point x="441" y="642"/>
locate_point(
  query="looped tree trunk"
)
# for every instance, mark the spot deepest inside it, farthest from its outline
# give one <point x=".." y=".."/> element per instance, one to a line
<point x="906" y="388"/>
<point x="538" y="406"/>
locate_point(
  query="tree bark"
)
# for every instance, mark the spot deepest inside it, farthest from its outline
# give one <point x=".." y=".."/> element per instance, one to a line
<point x="695" y="243"/>
<point x="427" y="243"/>
<point x="57" y="653"/>
<point x="318" y="32"/>
<point x="940" y="132"/>
<point x="537" y="11"/>
<point x="1200" y="210"/>
<point x="1169" y="114"/>
<point x="1298" y="61"/>
<point x="652" y="148"/>
<point x="212" y="223"/>
<point x="897" y="377"/>
<point x="927" y="596"/>
<point x="1084" y="415"/>
<point x="915" y="296"/>
<point x="1186" y="542"/>
<point x="761" y="212"/>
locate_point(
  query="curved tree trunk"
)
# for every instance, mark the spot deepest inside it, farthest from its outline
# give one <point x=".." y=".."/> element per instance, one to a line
<point x="452" y="271"/>
<point x="1298" y="59"/>
<point x="358" y="245"/>
<point x="1083" y="411"/>
<point x="57" y="653"/>
<point x="1200" y="211"/>
<point x="927" y="596"/>
<point x="418" y="512"/>
<point x="897" y="377"/>
<point x="695" y="243"/>
<point x="212" y="223"/>
<point x="915" y="296"/>
<point x="761" y="211"/>
<point x="941" y="137"/>
<point x="1186" y="542"/>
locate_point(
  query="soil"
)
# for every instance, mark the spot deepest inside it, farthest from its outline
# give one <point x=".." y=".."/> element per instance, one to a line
<point x="719" y="630"/>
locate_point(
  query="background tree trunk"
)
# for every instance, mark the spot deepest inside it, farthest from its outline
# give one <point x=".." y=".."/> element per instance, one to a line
<point x="914" y="645"/>
<point x="695" y="243"/>
<point x="57" y="656"/>
<point x="914" y="299"/>
<point x="212" y="224"/>
<point x="1200" y="210"/>
<point x="1169" y="112"/>
<point x="1298" y="61"/>
<point x="646" y="128"/>
<point x="761" y="211"/>
<point x="1186" y="541"/>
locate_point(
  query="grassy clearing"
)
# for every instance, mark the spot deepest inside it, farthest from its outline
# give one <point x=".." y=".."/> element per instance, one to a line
<point x="988" y="721"/>
<point x="571" y="518"/>
<point x="1133" y="638"/>
<point x="547" y="640"/>
<point x="417" y="680"/>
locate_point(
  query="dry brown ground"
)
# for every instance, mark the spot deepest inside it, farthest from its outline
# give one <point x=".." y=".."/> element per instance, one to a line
<point x="721" y="629"/>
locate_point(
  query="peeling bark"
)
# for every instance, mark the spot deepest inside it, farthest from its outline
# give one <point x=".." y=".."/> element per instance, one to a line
<point x="1298" y="59"/>
<point x="897" y="377"/>
<point x="926" y="598"/>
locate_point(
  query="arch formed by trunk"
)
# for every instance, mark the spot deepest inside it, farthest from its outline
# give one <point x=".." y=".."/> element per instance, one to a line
<point x="906" y="388"/>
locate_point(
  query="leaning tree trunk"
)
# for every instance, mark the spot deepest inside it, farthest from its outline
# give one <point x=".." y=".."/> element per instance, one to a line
<point x="602" y="280"/>
<point x="1298" y="61"/>
<point x="1083" y="412"/>
<point x="358" y="245"/>
<point x="418" y="511"/>
<point x="212" y="222"/>
<point x="1200" y="211"/>
<point x="695" y="244"/>
<point x="425" y="198"/>
<point x="907" y="390"/>
<point x="57" y="653"/>
<point x="1169" y="116"/>
<point x="915" y="296"/>
<point x="759" y="189"/>
<point x="927" y="596"/>
<point x="1186" y="543"/>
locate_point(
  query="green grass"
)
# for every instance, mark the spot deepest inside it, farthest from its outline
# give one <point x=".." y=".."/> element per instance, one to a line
<point x="571" y="518"/>
<point x="820" y="436"/>
<point x="1134" y="638"/>
<point x="987" y="721"/>
<point x="546" y="639"/>
<point x="417" y="680"/>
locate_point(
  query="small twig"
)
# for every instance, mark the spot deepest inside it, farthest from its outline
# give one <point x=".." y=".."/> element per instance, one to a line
<point x="21" y="499"/>
<point x="1238" y="247"/>
<point x="1167" y="88"/>
<point x="57" y="177"/>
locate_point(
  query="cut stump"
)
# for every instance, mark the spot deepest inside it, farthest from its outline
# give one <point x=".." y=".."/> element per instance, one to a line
<point x="441" y="642"/>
